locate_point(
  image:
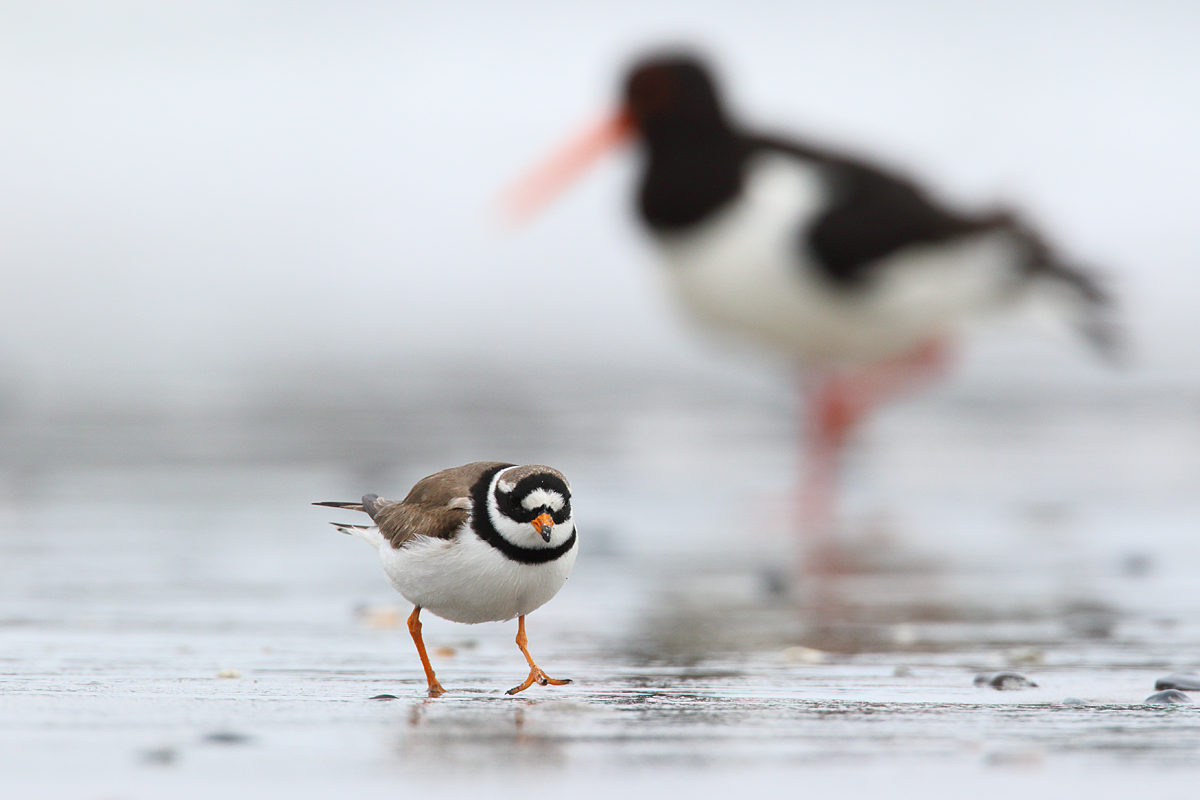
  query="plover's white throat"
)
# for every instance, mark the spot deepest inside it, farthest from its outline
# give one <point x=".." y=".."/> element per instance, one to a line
<point x="484" y="542"/>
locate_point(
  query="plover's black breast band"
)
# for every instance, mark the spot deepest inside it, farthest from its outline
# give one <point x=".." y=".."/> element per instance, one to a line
<point x="481" y="523"/>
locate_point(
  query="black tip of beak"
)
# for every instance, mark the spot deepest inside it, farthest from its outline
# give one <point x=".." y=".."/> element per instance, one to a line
<point x="545" y="531"/>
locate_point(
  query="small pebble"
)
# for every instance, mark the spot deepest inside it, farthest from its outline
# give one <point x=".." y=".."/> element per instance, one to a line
<point x="1074" y="701"/>
<point x="161" y="756"/>
<point x="1025" y="759"/>
<point x="385" y="697"/>
<point x="1168" y="698"/>
<point x="228" y="673"/>
<point x="1188" y="682"/>
<point x="1025" y="655"/>
<point x="775" y="583"/>
<point x="1137" y="565"/>
<point x="904" y="635"/>
<point x="799" y="654"/>
<point x="902" y="671"/>
<point x="379" y="616"/>
<point x="444" y="652"/>
<point x="227" y="737"/>
<point x="1004" y="681"/>
<point x="1092" y="623"/>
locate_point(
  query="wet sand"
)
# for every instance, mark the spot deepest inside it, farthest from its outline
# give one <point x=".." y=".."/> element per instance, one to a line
<point x="186" y="630"/>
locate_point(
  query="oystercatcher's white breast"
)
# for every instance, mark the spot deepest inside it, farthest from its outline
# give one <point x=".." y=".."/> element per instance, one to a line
<point x="745" y="270"/>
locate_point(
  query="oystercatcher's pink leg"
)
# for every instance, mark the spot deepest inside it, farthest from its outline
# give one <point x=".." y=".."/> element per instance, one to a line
<point x="836" y="404"/>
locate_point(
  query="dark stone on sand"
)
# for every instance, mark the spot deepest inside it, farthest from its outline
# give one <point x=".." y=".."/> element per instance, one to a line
<point x="776" y="583"/>
<point x="1091" y="623"/>
<point x="1004" y="681"/>
<point x="1010" y="680"/>
<point x="227" y="737"/>
<point x="1137" y="565"/>
<point x="1167" y="698"/>
<point x="1187" y="681"/>
<point x="385" y="697"/>
<point x="162" y="756"/>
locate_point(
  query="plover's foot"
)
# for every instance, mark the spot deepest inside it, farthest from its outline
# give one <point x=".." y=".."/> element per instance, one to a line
<point x="537" y="676"/>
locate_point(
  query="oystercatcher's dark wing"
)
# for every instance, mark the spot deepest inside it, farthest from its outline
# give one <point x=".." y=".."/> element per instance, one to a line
<point x="871" y="214"/>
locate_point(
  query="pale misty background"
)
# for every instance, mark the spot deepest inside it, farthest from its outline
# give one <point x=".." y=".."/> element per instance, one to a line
<point x="193" y="193"/>
<point x="252" y="260"/>
<point x="252" y="255"/>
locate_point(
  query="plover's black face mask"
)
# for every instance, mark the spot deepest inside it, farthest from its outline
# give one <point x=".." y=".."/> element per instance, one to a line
<point x="541" y="500"/>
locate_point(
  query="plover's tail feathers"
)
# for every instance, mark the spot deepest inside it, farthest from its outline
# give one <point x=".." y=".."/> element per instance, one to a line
<point x="369" y="505"/>
<point x="368" y="533"/>
<point x="349" y="530"/>
<point x="346" y="506"/>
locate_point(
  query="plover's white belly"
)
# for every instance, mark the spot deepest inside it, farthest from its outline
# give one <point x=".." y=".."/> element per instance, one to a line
<point x="745" y="271"/>
<point x="468" y="580"/>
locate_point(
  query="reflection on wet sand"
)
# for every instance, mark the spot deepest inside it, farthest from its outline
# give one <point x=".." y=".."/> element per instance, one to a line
<point x="479" y="737"/>
<point x="722" y="610"/>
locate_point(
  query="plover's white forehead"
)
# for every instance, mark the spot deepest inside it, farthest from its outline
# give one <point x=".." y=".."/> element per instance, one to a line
<point x="543" y="497"/>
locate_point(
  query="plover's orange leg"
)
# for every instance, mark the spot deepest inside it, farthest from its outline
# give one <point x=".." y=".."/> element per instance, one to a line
<point x="535" y="672"/>
<point x="414" y="627"/>
<point x="836" y="406"/>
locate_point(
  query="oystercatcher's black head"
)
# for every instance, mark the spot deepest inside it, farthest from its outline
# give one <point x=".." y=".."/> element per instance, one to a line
<point x="695" y="156"/>
<point x="672" y="99"/>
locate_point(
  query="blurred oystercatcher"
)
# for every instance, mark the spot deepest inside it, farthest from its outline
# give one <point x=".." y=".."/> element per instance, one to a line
<point x="844" y="265"/>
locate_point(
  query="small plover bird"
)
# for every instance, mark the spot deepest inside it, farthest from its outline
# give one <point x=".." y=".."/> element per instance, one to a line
<point x="484" y="542"/>
<point x="851" y="270"/>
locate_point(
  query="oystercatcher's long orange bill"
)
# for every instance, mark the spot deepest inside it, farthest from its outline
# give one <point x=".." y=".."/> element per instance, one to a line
<point x="541" y="185"/>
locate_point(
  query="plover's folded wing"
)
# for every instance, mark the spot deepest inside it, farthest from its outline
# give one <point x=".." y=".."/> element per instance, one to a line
<point x="437" y="506"/>
<point x="400" y="522"/>
<point x="445" y="487"/>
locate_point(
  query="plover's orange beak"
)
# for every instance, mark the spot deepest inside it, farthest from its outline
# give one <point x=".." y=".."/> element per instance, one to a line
<point x="543" y="523"/>
<point x="528" y="195"/>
